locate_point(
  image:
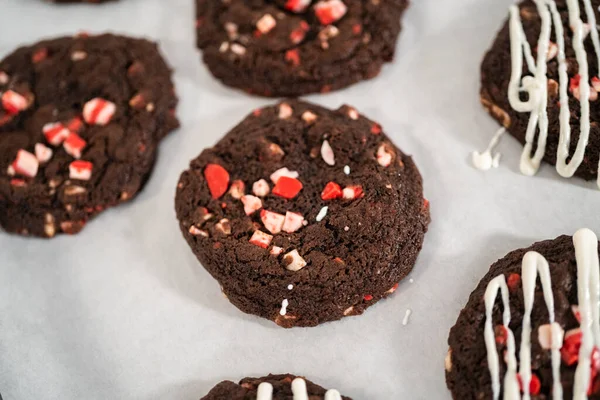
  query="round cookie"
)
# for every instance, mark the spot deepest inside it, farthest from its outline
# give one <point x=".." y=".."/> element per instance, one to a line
<point x="515" y="103"/>
<point x="80" y="122"/>
<point x="549" y="269"/>
<point x="272" y="387"/>
<point x="304" y="215"/>
<point x="294" y="47"/>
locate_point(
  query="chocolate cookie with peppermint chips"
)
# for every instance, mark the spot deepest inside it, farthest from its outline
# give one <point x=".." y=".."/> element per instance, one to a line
<point x="293" y="47"/>
<point x="80" y="122"/>
<point x="524" y="325"/>
<point x="272" y="387"/>
<point x="304" y="215"/>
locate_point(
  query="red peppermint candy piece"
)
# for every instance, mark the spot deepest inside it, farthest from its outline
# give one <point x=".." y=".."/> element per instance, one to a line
<point x="330" y="11"/>
<point x="293" y="57"/>
<point x="75" y="124"/>
<point x="368" y="297"/>
<point x="55" y="133"/>
<point x="81" y="170"/>
<point x="272" y="221"/>
<point x="299" y="33"/>
<point x="534" y="384"/>
<point x="13" y="102"/>
<point x="261" y="239"/>
<point x="297" y="6"/>
<point x="43" y="153"/>
<point x="501" y="334"/>
<point x="26" y="164"/>
<point x="332" y="191"/>
<point x="217" y="179"/>
<point x="98" y="111"/>
<point x="287" y="187"/>
<point x="513" y="282"/>
<point x="74" y="145"/>
<point x="570" y="350"/>
<point x="39" y="55"/>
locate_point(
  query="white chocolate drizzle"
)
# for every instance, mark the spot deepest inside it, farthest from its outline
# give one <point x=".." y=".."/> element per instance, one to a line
<point x="536" y="84"/>
<point x="299" y="391"/>
<point x="486" y="160"/>
<point x="588" y="290"/>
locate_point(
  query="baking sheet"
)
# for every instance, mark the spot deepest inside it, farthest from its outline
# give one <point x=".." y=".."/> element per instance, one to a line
<point x="124" y="311"/>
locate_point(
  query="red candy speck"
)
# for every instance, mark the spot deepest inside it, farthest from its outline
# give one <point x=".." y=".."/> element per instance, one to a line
<point x="501" y="334"/>
<point x="332" y="191"/>
<point x="368" y="297"/>
<point x="375" y="129"/>
<point x="513" y="282"/>
<point x="293" y="57"/>
<point x="287" y="187"/>
<point x="217" y="179"/>
<point x="534" y="384"/>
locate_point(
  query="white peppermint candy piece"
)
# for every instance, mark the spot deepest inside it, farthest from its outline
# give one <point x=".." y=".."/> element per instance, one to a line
<point x="26" y="164"/>
<point x="283" y="172"/>
<point x="10" y="171"/>
<point x="327" y="153"/>
<point x="43" y="153"/>
<point x="276" y="250"/>
<point x="309" y="117"/>
<point x="552" y="51"/>
<point x="261" y="188"/>
<point x="384" y="157"/>
<point x="98" y="111"/>
<point x="293" y="222"/>
<point x="272" y="221"/>
<point x="550" y="336"/>
<point x="3" y="78"/>
<point x="266" y="23"/>
<point x="352" y="113"/>
<point x="285" y="111"/>
<point x="294" y="262"/>
<point x="237" y="189"/>
<point x="352" y="192"/>
<point x="55" y="133"/>
<point x="261" y="239"/>
<point x="251" y="204"/>
<point x="81" y="170"/>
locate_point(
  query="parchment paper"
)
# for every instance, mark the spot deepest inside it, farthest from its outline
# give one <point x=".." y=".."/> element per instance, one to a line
<point x="124" y="311"/>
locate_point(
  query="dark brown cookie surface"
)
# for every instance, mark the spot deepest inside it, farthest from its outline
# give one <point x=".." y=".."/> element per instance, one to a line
<point x="80" y="122"/>
<point x="281" y="385"/>
<point x="304" y="215"/>
<point x="467" y="367"/>
<point x="293" y="47"/>
<point x="496" y="74"/>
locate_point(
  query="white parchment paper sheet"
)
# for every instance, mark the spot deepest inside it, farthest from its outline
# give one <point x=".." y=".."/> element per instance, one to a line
<point x="124" y="311"/>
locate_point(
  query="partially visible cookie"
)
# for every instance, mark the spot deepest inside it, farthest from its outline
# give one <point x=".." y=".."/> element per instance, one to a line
<point x="272" y="387"/>
<point x="536" y="83"/>
<point x="80" y="123"/>
<point x="496" y="345"/>
<point x="294" y="47"/>
<point x="79" y="1"/>
<point x="303" y="214"/>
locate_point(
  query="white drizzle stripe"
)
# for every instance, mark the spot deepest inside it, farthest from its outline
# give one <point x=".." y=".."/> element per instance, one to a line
<point x="511" y="386"/>
<point x="265" y="391"/>
<point x="533" y="264"/>
<point x="588" y="291"/>
<point x="537" y="88"/>
<point x="588" y="288"/>
<point x="333" y="394"/>
<point x="299" y="389"/>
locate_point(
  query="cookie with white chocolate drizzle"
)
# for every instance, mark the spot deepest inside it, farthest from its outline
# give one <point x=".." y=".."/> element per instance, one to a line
<point x="303" y="214"/>
<point x="531" y="329"/>
<point x="294" y="47"/>
<point x="272" y="387"/>
<point x="81" y="119"/>
<point x="540" y="81"/>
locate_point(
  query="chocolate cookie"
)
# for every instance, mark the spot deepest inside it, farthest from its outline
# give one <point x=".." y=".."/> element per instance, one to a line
<point x="293" y="47"/>
<point x="304" y="215"/>
<point x="533" y="309"/>
<point x="272" y="387"/>
<point x="554" y="86"/>
<point x="80" y="122"/>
